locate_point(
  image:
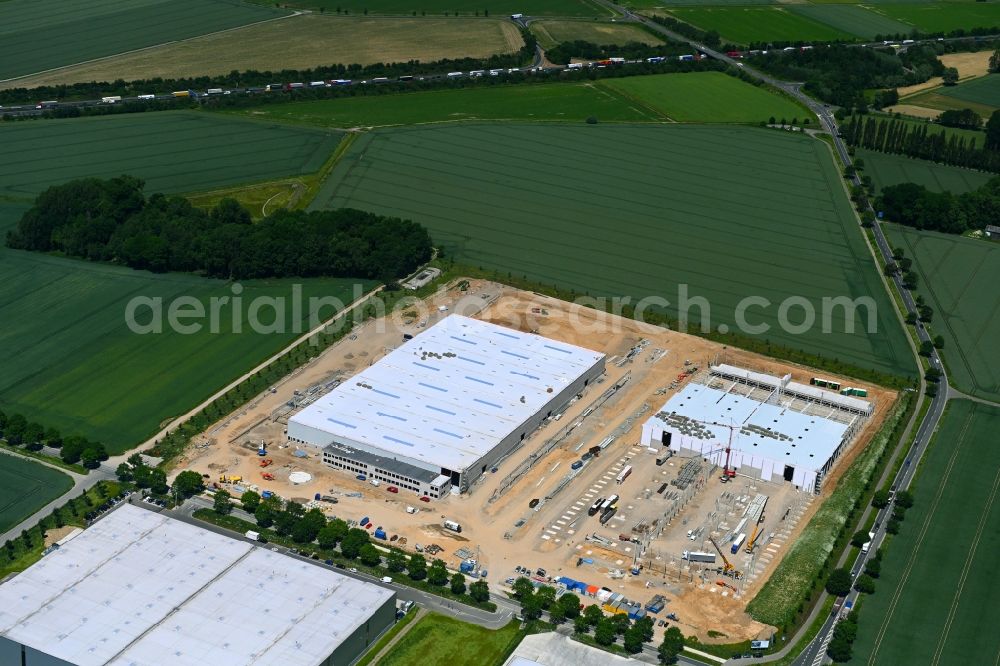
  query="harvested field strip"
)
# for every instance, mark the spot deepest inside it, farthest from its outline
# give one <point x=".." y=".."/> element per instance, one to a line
<point x="550" y="33"/>
<point x="302" y="42"/>
<point x="37" y="35"/>
<point x="25" y="487"/>
<point x="952" y="270"/>
<point x="946" y="544"/>
<point x="638" y="211"/>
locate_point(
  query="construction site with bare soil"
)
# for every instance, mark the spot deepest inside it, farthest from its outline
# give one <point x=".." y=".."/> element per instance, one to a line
<point x="674" y="480"/>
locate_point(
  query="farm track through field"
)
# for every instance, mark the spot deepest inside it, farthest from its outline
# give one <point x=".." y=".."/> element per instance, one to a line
<point x="939" y="651"/>
<point x="924" y="529"/>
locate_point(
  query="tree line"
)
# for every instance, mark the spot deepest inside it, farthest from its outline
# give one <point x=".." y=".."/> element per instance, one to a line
<point x="17" y="431"/>
<point x="900" y="137"/>
<point x="112" y="220"/>
<point x="841" y="74"/>
<point x="709" y="38"/>
<point x="254" y="78"/>
<point x="916" y="206"/>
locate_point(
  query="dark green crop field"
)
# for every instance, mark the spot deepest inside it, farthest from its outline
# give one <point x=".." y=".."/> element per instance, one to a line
<point x="934" y="602"/>
<point x="639" y="211"/>
<point x="944" y="16"/>
<point x="888" y="170"/>
<point x="71" y="361"/>
<point x="25" y="487"/>
<point x="957" y="277"/>
<point x="985" y="90"/>
<point x="743" y="25"/>
<point x="38" y="35"/>
<point x="172" y="151"/>
<point x="853" y="19"/>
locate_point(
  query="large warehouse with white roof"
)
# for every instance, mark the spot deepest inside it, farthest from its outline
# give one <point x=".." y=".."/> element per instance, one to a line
<point x="441" y="409"/>
<point x="141" y="589"/>
<point x="774" y="428"/>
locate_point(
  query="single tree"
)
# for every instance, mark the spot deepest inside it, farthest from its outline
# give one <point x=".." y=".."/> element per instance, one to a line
<point x="264" y="516"/>
<point x="593" y="614"/>
<point x="396" y="562"/>
<point x="938" y="342"/>
<point x="479" y="591"/>
<point x="124" y="472"/>
<point x="369" y="555"/>
<point x="580" y="625"/>
<point x="839" y="582"/>
<point x="860" y="538"/>
<point x="950" y="76"/>
<point x="458" y="584"/>
<point x="865" y="584"/>
<point x="873" y="568"/>
<point x="188" y="483"/>
<point x="352" y="542"/>
<point x="547" y="595"/>
<point x="437" y="574"/>
<point x="606" y="632"/>
<point x="222" y="502"/>
<point x="570" y="604"/>
<point x="416" y="568"/>
<point x="880" y="499"/>
<point x="670" y="648"/>
<point x="522" y="588"/>
<point x="158" y="481"/>
<point x="250" y="501"/>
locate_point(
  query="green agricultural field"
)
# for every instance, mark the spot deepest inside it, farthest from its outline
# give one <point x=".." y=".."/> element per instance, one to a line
<point x="436" y="640"/>
<point x="173" y="151"/>
<point x="462" y="7"/>
<point x="25" y="487"/>
<point x="945" y="16"/>
<point x="69" y="359"/>
<point x="743" y="25"/>
<point x="638" y="211"/>
<point x="888" y="170"/>
<point x="956" y="278"/>
<point x="37" y="35"/>
<point x="934" y="603"/>
<point x="984" y="91"/>
<point x="550" y="33"/>
<point x="854" y="19"/>
<point x="707" y="97"/>
<point x="546" y="101"/>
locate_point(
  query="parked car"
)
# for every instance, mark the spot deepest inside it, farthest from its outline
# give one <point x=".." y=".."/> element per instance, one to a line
<point x="386" y="579"/>
<point x="392" y="489"/>
<point x="425" y="498"/>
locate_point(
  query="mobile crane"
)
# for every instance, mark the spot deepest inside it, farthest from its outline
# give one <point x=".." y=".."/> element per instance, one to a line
<point x="727" y="569"/>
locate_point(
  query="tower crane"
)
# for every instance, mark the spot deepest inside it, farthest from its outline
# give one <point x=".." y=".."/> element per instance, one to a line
<point x="727" y="472"/>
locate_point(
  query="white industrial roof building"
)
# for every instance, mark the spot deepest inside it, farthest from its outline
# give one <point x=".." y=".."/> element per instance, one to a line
<point x="140" y="589"/>
<point x="769" y="440"/>
<point x="453" y="401"/>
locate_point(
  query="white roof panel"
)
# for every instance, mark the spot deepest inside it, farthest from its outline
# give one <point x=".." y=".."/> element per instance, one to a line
<point x="452" y="393"/>
<point x="801" y="439"/>
<point x="137" y="586"/>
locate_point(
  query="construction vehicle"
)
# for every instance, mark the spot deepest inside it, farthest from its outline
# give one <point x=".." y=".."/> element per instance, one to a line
<point x="262" y="449"/>
<point x="230" y="479"/>
<point x="267" y="476"/>
<point x="758" y="531"/>
<point x="723" y="583"/>
<point x="727" y="567"/>
<point x="266" y="462"/>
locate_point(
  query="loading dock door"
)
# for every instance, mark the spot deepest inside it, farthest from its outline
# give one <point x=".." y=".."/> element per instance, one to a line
<point x="665" y="438"/>
<point x="789" y="472"/>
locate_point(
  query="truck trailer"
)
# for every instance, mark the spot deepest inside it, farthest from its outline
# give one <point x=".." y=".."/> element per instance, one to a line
<point x="697" y="556"/>
<point x="453" y="526"/>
